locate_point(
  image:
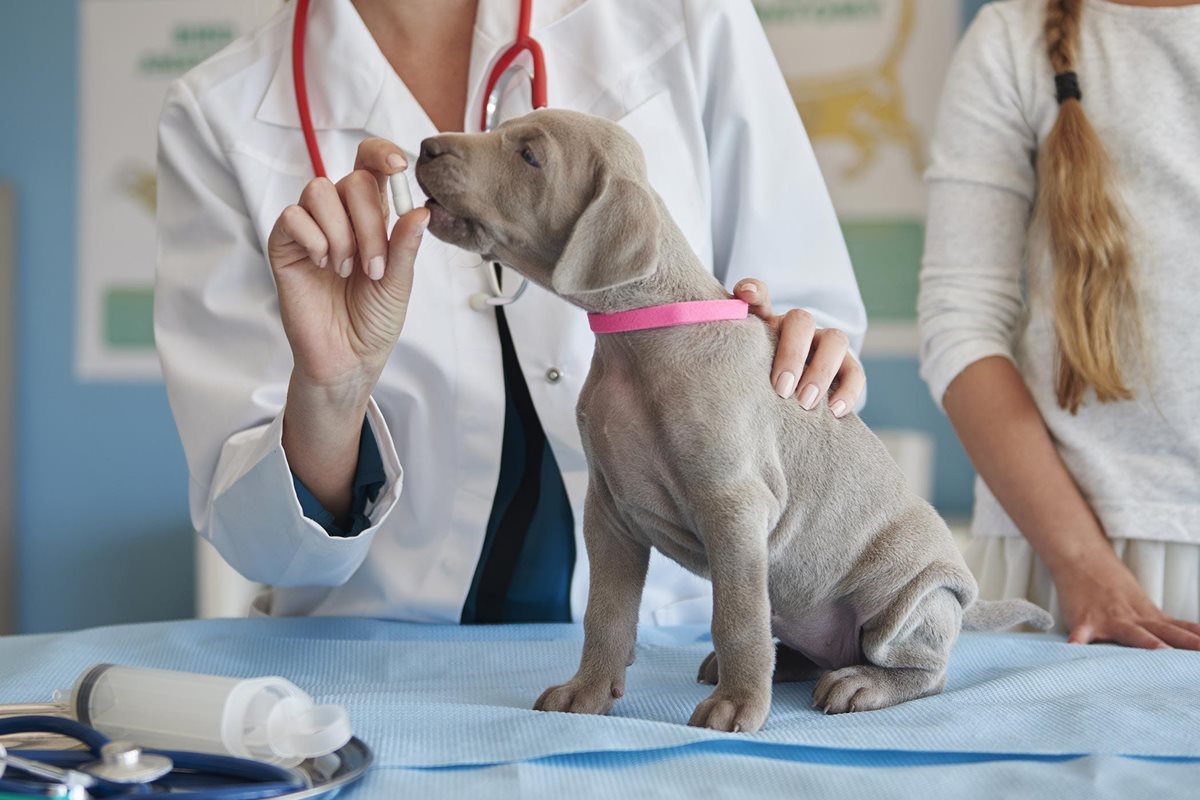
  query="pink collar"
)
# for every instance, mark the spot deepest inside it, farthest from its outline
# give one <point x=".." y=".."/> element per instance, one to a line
<point x="640" y="319"/>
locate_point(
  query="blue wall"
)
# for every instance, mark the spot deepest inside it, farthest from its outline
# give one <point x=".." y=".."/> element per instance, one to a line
<point x="102" y="527"/>
<point x="103" y="535"/>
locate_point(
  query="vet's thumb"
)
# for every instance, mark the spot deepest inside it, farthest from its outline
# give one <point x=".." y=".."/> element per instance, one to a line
<point x="985" y="615"/>
<point x="405" y="242"/>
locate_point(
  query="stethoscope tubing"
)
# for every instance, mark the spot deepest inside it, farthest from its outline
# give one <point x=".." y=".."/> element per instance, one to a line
<point x="503" y="70"/>
<point x="262" y="781"/>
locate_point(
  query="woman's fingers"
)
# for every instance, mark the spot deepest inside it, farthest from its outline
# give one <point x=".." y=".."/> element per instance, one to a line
<point x="754" y="293"/>
<point x="296" y="227"/>
<point x="1135" y="634"/>
<point x="1120" y="629"/>
<point x="1174" y="633"/>
<point x="382" y="159"/>
<point x="807" y="360"/>
<point x="1082" y="634"/>
<point x="851" y="381"/>
<point x="830" y="347"/>
<point x="796" y="331"/>
<point x="358" y="195"/>
<point x="402" y="253"/>
<point x="322" y="201"/>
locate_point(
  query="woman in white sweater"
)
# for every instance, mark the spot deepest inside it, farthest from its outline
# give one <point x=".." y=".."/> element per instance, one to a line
<point x="1058" y="299"/>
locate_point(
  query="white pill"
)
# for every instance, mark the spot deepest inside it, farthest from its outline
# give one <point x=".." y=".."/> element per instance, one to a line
<point x="402" y="201"/>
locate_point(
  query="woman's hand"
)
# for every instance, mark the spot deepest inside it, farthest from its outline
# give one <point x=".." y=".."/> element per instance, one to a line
<point x="343" y="284"/>
<point x="343" y="293"/>
<point x="808" y="360"/>
<point x="1102" y="602"/>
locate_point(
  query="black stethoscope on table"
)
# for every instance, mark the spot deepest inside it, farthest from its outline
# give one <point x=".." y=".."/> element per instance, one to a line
<point x="119" y="770"/>
<point x="501" y="75"/>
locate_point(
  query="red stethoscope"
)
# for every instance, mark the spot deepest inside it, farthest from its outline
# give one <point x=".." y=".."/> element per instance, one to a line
<point x="501" y="75"/>
<point x="503" y="72"/>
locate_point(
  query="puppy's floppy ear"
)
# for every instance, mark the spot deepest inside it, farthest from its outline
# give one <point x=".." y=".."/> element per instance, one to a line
<point x="615" y="241"/>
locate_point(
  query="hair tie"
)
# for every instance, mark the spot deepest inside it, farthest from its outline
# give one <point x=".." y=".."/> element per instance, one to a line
<point x="1066" y="85"/>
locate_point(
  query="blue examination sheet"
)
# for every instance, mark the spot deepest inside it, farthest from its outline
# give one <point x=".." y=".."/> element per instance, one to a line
<point x="447" y="711"/>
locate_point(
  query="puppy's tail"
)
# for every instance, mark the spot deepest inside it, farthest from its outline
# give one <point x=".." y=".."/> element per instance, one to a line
<point x="984" y="615"/>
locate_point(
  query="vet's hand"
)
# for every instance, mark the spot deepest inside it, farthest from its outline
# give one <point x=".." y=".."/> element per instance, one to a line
<point x="1103" y="602"/>
<point x="343" y="283"/>
<point x="808" y="360"/>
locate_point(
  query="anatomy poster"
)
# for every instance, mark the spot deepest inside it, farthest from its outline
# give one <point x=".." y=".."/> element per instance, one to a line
<point x="130" y="51"/>
<point x="866" y="76"/>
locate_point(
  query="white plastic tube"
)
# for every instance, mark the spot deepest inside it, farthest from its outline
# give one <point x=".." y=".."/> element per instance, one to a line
<point x="269" y="719"/>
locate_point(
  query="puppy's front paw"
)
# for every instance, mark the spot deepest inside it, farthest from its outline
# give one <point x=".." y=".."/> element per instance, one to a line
<point x="734" y="712"/>
<point x="577" y="697"/>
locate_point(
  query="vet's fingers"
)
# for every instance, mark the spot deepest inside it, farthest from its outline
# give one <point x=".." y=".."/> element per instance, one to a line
<point x="357" y="191"/>
<point x="851" y="381"/>
<point x="1174" y="634"/>
<point x="796" y="330"/>
<point x="754" y="293"/>
<point x="829" y="350"/>
<point x="403" y="246"/>
<point x="382" y="159"/>
<point x="296" y="226"/>
<point x="321" y="200"/>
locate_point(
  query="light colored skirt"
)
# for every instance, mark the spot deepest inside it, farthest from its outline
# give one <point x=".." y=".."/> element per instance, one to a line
<point x="1169" y="572"/>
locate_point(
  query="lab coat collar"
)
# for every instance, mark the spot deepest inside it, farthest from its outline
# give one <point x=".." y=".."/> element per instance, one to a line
<point x="344" y="67"/>
<point x="497" y="19"/>
<point x="351" y="85"/>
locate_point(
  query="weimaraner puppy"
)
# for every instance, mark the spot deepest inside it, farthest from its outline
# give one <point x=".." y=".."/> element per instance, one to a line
<point x="802" y="521"/>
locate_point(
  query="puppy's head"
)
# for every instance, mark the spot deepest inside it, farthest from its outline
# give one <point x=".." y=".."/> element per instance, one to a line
<point x="560" y="196"/>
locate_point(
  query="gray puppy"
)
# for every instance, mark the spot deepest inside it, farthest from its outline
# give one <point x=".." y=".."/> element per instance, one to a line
<point x="802" y="521"/>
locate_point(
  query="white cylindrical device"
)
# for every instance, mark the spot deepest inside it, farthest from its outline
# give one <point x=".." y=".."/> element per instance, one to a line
<point x="268" y="719"/>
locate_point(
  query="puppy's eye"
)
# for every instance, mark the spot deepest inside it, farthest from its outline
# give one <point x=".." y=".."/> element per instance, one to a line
<point x="530" y="158"/>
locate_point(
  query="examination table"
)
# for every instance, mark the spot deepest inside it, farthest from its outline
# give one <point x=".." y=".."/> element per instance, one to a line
<point x="447" y="711"/>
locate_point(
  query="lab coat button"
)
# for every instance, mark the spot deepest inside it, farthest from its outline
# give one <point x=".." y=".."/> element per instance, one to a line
<point x="553" y="375"/>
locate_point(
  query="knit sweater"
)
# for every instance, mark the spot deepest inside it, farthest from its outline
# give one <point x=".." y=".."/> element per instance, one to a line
<point x="987" y="279"/>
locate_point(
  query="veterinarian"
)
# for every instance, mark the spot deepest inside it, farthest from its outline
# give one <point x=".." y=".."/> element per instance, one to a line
<point x="276" y="288"/>
<point x="1065" y="162"/>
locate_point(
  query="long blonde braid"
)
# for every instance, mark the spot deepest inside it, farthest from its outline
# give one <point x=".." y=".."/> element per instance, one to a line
<point x="1095" y="302"/>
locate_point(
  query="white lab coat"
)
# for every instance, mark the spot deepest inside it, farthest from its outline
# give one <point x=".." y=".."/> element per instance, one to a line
<point x="693" y="80"/>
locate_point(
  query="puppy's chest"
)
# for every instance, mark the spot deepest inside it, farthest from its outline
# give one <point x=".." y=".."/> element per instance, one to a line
<point x="623" y="436"/>
<point x="626" y="440"/>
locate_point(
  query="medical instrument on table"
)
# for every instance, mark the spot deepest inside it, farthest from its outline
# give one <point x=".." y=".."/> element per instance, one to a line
<point x="501" y="75"/>
<point x="267" y="719"/>
<point x="118" y="770"/>
<point x="72" y="770"/>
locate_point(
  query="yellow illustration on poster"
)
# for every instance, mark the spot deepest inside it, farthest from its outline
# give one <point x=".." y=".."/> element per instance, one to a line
<point x="130" y="51"/>
<point x="865" y="76"/>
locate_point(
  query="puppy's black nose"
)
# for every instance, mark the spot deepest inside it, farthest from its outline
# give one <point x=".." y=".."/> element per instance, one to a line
<point x="433" y="147"/>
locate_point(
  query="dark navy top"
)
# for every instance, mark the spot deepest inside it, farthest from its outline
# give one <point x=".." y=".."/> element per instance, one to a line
<point x="524" y="571"/>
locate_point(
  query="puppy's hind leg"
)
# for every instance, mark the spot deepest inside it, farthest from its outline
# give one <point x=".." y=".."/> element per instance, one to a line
<point x="906" y="647"/>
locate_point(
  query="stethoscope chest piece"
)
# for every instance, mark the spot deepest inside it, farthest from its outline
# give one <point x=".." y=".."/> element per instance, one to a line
<point x="124" y="762"/>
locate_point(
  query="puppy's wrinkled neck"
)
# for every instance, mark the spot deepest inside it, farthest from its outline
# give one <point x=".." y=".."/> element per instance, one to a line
<point x="678" y="278"/>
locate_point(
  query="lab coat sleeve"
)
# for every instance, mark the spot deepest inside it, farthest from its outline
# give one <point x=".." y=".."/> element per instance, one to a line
<point x="772" y="217"/>
<point x="981" y="188"/>
<point x="226" y="364"/>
